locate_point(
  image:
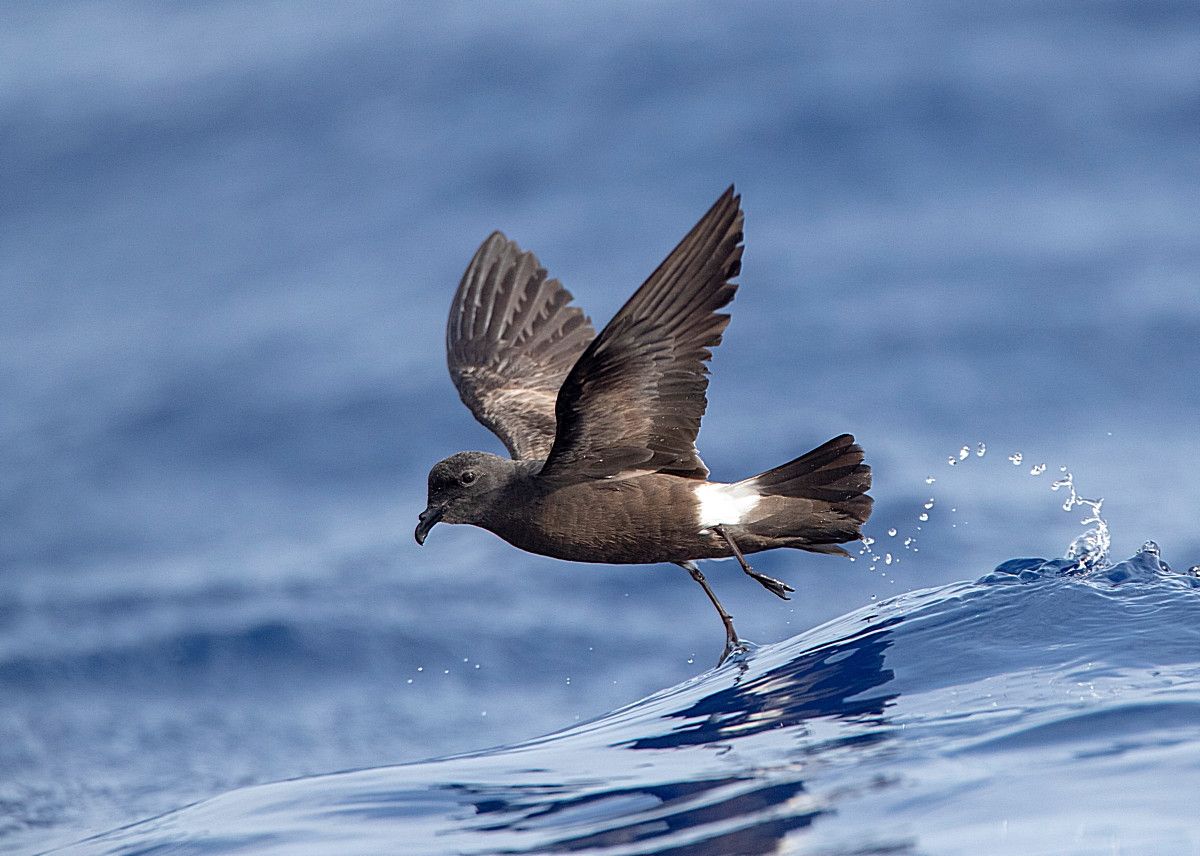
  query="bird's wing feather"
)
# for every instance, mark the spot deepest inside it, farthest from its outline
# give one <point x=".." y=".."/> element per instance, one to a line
<point x="511" y="339"/>
<point x="633" y="401"/>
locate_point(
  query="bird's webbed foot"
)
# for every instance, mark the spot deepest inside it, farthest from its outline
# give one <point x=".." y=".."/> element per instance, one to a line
<point x="776" y="587"/>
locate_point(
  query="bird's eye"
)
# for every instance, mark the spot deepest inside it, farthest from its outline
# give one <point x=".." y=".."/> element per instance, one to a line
<point x="467" y="477"/>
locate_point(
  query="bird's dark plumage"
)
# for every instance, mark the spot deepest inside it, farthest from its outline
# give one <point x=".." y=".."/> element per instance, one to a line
<point x="633" y="401"/>
<point x="602" y="428"/>
<point x="510" y="341"/>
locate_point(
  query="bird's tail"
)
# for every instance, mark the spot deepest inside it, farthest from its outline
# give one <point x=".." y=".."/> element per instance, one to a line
<point x="830" y="484"/>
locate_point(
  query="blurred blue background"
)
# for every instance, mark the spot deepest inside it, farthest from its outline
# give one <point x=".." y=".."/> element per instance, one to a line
<point x="229" y="234"/>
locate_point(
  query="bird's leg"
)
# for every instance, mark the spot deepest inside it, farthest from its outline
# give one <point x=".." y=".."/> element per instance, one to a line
<point x="732" y="643"/>
<point x="774" y="586"/>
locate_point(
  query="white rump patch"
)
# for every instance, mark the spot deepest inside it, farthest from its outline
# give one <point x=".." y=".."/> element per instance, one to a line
<point x="727" y="504"/>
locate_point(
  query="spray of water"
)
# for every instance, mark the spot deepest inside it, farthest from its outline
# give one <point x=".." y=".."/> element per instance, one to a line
<point x="1091" y="548"/>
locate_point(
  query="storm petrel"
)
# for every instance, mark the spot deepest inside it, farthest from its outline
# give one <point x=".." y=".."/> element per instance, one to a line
<point x="602" y="428"/>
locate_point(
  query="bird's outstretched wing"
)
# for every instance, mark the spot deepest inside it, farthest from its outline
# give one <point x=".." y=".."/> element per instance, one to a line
<point x="633" y="401"/>
<point x="511" y="339"/>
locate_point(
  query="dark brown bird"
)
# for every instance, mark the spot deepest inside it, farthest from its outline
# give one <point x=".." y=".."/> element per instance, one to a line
<point x="602" y="429"/>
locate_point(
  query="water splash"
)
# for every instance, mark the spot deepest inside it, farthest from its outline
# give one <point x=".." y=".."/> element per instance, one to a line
<point x="1091" y="548"/>
<point x="963" y="454"/>
<point x="867" y="550"/>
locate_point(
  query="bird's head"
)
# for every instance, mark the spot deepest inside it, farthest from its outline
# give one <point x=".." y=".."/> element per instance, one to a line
<point x="461" y="489"/>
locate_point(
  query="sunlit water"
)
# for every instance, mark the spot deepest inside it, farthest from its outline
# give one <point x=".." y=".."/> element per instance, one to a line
<point x="1048" y="707"/>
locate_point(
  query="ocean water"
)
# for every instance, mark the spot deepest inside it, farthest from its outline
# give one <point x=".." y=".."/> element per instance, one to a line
<point x="1075" y="728"/>
<point x="229" y="234"/>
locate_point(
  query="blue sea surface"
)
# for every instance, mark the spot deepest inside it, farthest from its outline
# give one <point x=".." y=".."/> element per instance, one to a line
<point x="1047" y="707"/>
<point x="229" y="234"/>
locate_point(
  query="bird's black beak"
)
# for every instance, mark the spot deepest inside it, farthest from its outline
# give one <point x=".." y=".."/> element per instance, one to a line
<point x="428" y="519"/>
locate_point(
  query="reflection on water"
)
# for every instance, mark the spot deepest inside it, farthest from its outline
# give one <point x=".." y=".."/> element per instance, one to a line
<point x="842" y="740"/>
<point x="819" y="683"/>
<point x="822" y="682"/>
<point x="667" y="810"/>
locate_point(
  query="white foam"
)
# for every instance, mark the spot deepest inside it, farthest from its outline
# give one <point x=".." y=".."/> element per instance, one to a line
<point x="728" y="504"/>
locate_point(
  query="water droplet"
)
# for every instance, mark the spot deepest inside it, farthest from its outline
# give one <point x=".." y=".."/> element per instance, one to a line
<point x="476" y="665"/>
<point x="1016" y="458"/>
<point x="1037" y="469"/>
<point x="409" y="681"/>
<point x="923" y="517"/>
<point x="892" y="532"/>
<point x="929" y="503"/>
<point x="952" y="460"/>
<point x="907" y="541"/>
<point x="868" y="540"/>
<point x="964" y="453"/>
<point x="887" y="558"/>
<point x="929" y="479"/>
<point x="420" y="668"/>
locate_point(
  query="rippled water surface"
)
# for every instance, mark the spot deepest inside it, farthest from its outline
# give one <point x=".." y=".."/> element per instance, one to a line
<point x="1044" y="708"/>
<point x="229" y="233"/>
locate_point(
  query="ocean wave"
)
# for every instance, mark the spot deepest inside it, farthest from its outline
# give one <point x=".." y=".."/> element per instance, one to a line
<point x="1049" y="706"/>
